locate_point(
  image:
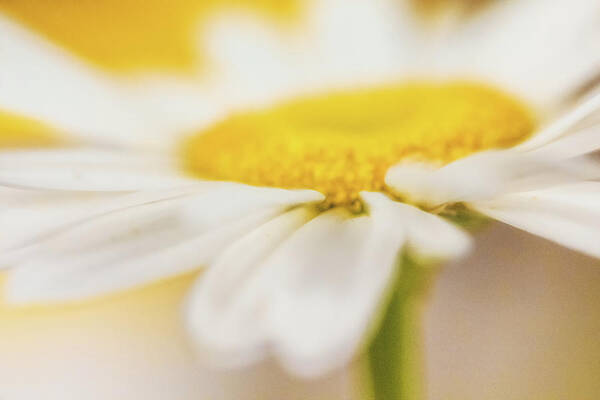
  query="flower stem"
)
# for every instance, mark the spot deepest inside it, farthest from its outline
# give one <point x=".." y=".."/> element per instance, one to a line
<point x="395" y="356"/>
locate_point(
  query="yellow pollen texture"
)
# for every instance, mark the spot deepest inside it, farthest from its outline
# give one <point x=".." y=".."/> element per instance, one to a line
<point x="342" y="143"/>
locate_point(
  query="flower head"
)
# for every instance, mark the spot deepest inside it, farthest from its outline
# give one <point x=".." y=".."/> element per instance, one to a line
<point x="312" y="168"/>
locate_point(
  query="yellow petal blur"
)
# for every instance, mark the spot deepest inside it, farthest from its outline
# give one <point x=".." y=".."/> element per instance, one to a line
<point x="20" y="131"/>
<point x="133" y="35"/>
<point x="434" y="7"/>
<point x="124" y="346"/>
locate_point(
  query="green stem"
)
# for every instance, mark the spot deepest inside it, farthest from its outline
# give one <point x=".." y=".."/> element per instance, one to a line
<point x="395" y="356"/>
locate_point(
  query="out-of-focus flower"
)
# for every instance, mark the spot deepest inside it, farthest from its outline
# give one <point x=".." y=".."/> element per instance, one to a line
<point x="300" y="209"/>
<point x="129" y="36"/>
<point x="132" y="346"/>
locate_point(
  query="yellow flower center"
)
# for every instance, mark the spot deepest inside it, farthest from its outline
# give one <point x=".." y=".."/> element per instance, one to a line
<point x="343" y="143"/>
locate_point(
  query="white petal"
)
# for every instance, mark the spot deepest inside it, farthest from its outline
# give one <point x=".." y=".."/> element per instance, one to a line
<point x="579" y="143"/>
<point x="427" y="234"/>
<point x="324" y="285"/>
<point x="149" y="241"/>
<point x="96" y="213"/>
<point x="485" y="175"/>
<point x="309" y="303"/>
<point x="225" y="313"/>
<point x="47" y="215"/>
<point x="84" y="169"/>
<point x="32" y="216"/>
<point x="339" y="44"/>
<point x="123" y="266"/>
<point x="477" y="176"/>
<point x="43" y="212"/>
<point x="568" y="215"/>
<point x="352" y="42"/>
<point x="563" y="125"/>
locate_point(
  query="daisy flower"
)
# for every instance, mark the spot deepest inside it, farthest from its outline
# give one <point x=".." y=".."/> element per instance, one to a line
<point x="307" y="167"/>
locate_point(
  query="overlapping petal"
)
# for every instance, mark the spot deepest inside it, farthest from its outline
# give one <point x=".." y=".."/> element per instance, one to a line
<point x="156" y="235"/>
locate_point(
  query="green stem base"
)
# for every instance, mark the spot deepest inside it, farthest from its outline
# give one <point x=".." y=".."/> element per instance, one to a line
<point x="395" y="356"/>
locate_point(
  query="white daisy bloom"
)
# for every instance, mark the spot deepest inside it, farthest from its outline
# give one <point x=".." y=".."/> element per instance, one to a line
<point x="314" y="168"/>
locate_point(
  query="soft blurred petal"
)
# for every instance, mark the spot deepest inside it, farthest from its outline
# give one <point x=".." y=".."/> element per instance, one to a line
<point x="543" y="50"/>
<point x="304" y="295"/>
<point x="568" y="215"/>
<point x="131" y="346"/>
